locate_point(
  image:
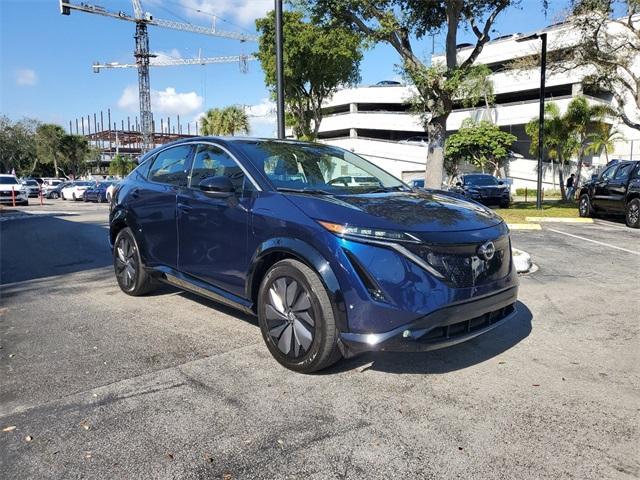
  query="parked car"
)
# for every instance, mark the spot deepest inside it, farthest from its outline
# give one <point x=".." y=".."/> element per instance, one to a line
<point x="483" y="188"/>
<point x="110" y="190"/>
<point x="388" y="83"/>
<point x="616" y="191"/>
<point x="97" y="193"/>
<point x="330" y="270"/>
<point x="75" y="190"/>
<point x="32" y="187"/>
<point x="49" y="184"/>
<point x="56" y="192"/>
<point x="355" y="181"/>
<point x="10" y="186"/>
<point x="419" y="140"/>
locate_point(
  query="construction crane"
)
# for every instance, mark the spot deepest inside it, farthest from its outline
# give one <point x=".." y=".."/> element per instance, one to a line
<point x="142" y="55"/>
<point x="171" y="62"/>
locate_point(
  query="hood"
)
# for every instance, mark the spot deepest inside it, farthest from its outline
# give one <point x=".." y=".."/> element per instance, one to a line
<point x="405" y="211"/>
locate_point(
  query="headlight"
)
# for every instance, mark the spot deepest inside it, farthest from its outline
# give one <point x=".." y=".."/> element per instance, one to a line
<point x="354" y="232"/>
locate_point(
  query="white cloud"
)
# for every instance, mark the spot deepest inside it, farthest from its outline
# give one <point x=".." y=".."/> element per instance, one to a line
<point x="262" y="118"/>
<point x="162" y="56"/>
<point x="167" y="101"/>
<point x="26" y="77"/>
<point x="243" y="12"/>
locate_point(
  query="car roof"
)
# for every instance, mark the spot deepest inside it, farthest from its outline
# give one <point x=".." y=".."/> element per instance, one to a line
<point x="6" y="175"/>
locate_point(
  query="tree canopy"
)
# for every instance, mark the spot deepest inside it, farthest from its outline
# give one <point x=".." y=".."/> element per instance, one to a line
<point x="225" y="121"/>
<point x="317" y="60"/>
<point x="482" y="144"/>
<point x="399" y="23"/>
<point x="610" y="48"/>
<point x="17" y="145"/>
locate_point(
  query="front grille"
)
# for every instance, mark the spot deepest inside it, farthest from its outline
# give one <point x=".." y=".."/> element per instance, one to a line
<point x="466" y="327"/>
<point x="461" y="266"/>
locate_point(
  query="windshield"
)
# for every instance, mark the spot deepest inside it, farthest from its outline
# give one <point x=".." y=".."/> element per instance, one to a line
<point x="8" y="181"/>
<point x="480" y="180"/>
<point x="84" y="184"/>
<point x="318" y="169"/>
<point x="31" y="183"/>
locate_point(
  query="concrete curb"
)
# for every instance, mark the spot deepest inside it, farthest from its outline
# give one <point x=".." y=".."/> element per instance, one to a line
<point x="559" y="219"/>
<point x="524" y="226"/>
<point x="521" y="260"/>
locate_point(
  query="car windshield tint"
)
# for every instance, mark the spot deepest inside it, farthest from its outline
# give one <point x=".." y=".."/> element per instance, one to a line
<point x="8" y="181"/>
<point x="318" y="168"/>
<point x="480" y="181"/>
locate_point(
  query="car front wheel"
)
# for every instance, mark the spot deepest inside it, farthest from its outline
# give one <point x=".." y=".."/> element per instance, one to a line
<point x="130" y="273"/>
<point x="584" y="206"/>
<point x="296" y="318"/>
<point x="633" y="213"/>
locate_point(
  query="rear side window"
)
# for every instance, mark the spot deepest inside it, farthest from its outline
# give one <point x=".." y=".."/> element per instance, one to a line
<point x="624" y="171"/>
<point x="170" y="166"/>
<point x="212" y="161"/>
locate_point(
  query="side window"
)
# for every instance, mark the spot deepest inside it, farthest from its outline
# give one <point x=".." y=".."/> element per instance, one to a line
<point x="624" y="171"/>
<point x="636" y="173"/>
<point x="169" y="166"/>
<point x="212" y="161"/>
<point x="608" y="173"/>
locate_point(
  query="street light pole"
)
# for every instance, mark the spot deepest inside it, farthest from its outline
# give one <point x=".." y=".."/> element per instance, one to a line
<point x="543" y="71"/>
<point x="279" y="70"/>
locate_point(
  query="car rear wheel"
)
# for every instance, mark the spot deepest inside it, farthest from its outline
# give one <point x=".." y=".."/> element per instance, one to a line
<point x="633" y="213"/>
<point x="130" y="273"/>
<point x="584" y="206"/>
<point x="55" y="195"/>
<point x="296" y="318"/>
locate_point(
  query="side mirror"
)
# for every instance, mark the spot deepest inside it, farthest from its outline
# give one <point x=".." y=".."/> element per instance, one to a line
<point x="458" y="184"/>
<point x="500" y="182"/>
<point x="220" y="187"/>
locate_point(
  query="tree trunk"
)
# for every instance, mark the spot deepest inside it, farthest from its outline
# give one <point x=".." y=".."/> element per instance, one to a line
<point x="576" y="183"/>
<point x="55" y="165"/>
<point x="436" y="130"/>
<point x="563" y="193"/>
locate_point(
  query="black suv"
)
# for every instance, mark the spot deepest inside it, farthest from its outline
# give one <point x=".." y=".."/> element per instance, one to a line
<point x="615" y="192"/>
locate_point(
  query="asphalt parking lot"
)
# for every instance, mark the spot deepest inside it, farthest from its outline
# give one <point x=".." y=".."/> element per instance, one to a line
<point x="101" y="385"/>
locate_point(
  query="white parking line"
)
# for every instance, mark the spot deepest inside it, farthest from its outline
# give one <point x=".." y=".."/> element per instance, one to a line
<point x="593" y="241"/>
<point x="606" y="223"/>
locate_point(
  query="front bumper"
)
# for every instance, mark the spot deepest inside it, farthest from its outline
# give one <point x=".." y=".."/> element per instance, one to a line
<point x="445" y="327"/>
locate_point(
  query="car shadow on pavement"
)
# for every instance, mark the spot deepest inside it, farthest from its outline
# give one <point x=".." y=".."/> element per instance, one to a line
<point x="457" y="357"/>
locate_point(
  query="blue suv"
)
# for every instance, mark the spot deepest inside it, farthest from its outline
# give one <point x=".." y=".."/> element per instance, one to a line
<point x="332" y="267"/>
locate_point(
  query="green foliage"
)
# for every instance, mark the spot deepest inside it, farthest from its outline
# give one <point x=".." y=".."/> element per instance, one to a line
<point x="609" y="48"/>
<point x="560" y="141"/>
<point x="76" y="152"/>
<point x="121" y="166"/>
<point x="225" y="121"/>
<point x="48" y="145"/>
<point x="603" y="139"/>
<point x="317" y="60"/>
<point x="482" y="144"/>
<point x="17" y="145"/>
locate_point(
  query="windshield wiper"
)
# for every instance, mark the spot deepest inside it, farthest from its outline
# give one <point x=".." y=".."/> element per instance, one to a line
<point x="312" y="191"/>
<point x="397" y="188"/>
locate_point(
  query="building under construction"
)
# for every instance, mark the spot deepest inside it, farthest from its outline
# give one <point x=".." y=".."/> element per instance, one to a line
<point x="125" y="137"/>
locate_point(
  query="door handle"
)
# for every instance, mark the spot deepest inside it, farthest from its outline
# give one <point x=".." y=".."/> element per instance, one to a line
<point x="184" y="208"/>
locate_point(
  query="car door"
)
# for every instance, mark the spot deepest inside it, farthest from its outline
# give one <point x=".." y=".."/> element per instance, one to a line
<point x="600" y="198"/>
<point x="154" y="204"/>
<point x="212" y="231"/>
<point x="617" y="187"/>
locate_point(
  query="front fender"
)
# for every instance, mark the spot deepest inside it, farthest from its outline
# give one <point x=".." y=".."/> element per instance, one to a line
<point x="307" y="254"/>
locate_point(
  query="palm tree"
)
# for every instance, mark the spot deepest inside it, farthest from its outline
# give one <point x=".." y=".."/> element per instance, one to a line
<point x="581" y="117"/>
<point x="227" y="121"/>
<point x="560" y="140"/>
<point x="603" y="139"/>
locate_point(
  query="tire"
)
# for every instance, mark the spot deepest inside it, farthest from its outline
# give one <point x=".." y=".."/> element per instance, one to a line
<point x="505" y="205"/>
<point x="584" y="206"/>
<point x="632" y="213"/>
<point x="99" y="199"/>
<point x="84" y="199"/>
<point x="130" y="273"/>
<point x="297" y="325"/>
<point x="24" y="204"/>
<point x="55" y="195"/>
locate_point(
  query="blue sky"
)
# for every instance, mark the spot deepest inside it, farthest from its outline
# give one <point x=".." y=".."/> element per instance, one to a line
<point x="46" y="59"/>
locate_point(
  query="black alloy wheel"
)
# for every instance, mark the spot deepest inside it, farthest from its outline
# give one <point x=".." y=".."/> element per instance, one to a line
<point x="296" y="317"/>
<point x="130" y="273"/>
<point x="632" y="214"/>
<point x="584" y="206"/>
